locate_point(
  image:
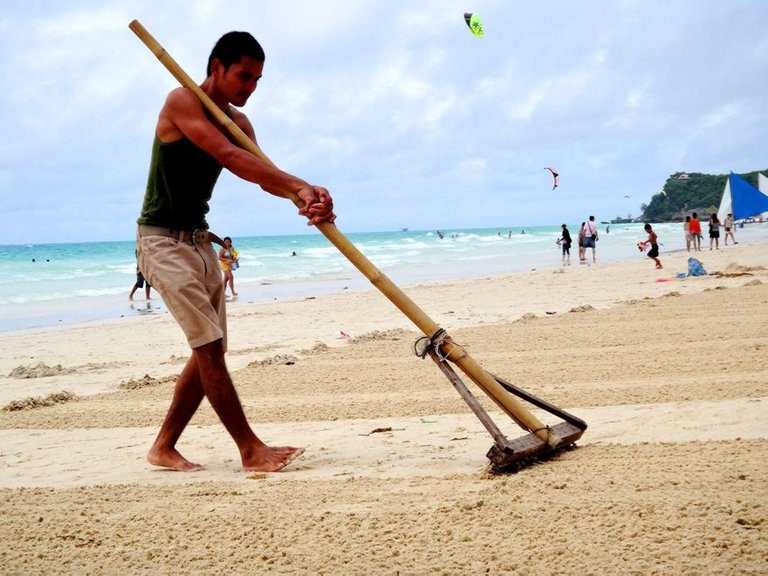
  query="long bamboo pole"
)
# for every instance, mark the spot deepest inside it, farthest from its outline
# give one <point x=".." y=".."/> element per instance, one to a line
<point x="455" y="353"/>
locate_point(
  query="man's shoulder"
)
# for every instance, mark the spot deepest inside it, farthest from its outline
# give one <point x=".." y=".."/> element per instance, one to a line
<point x="180" y="98"/>
<point x="180" y="104"/>
<point x="242" y="122"/>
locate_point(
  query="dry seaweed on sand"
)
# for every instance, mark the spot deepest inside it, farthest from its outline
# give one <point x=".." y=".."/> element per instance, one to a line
<point x="39" y="402"/>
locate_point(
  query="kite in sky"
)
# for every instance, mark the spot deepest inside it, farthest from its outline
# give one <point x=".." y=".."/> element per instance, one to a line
<point x="554" y="175"/>
<point x="474" y="23"/>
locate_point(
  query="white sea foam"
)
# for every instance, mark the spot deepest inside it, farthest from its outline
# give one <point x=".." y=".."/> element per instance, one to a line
<point x="76" y="282"/>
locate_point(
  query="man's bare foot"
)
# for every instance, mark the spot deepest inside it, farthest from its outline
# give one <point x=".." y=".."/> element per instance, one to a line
<point x="269" y="459"/>
<point x="172" y="460"/>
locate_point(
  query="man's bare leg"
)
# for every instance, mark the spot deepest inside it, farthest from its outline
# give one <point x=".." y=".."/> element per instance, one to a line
<point x="187" y="397"/>
<point x="220" y="391"/>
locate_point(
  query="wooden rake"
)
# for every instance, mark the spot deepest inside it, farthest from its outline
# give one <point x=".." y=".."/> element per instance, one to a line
<point x="542" y="439"/>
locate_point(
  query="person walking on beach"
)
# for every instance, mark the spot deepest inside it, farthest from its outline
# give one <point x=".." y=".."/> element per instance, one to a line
<point x="728" y="225"/>
<point x="140" y="283"/>
<point x="565" y="243"/>
<point x="653" y="253"/>
<point x="228" y="260"/>
<point x="714" y="232"/>
<point x="582" y="244"/>
<point x="175" y="251"/>
<point x="687" y="232"/>
<point x="695" y="232"/>
<point x="590" y="237"/>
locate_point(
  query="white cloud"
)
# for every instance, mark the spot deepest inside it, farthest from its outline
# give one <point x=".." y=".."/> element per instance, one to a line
<point x="720" y="116"/>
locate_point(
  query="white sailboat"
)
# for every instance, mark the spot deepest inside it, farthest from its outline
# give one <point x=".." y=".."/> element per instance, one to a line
<point x="726" y="205"/>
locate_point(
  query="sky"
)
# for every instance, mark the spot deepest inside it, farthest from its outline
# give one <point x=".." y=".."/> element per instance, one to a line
<point x="408" y="119"/>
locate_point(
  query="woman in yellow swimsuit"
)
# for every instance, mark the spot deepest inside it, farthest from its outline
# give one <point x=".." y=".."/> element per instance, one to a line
<point x="228" y="260"/>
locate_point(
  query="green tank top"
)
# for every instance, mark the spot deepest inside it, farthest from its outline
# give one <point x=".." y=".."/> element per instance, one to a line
<point x="179" y="186"/>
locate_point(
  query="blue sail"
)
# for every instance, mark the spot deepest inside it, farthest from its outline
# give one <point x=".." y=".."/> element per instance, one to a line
<point x="746" y="200"/>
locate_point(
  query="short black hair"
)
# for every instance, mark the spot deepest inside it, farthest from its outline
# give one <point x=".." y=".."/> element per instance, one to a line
<point x="232" y="47"/>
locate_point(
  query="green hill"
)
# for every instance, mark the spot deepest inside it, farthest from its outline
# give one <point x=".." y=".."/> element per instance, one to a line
<point x="686" y="192"/>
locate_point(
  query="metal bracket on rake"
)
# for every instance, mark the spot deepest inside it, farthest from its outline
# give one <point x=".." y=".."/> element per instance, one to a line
<point x="508" y="454"/>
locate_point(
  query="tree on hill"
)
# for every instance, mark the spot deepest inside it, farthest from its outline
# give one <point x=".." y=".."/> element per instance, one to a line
<point x="686" y="192"/>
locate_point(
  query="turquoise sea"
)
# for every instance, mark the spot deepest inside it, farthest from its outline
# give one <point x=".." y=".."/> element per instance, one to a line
<point x="44" y="285"/>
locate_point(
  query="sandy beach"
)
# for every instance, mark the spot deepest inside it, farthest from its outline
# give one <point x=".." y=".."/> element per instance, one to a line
<point x="670" y="477"/>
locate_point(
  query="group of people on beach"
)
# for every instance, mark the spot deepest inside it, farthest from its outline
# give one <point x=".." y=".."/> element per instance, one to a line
<point x="692" y="226"/>
<point x="587" y="238"/>
<point x="693" y="236"/>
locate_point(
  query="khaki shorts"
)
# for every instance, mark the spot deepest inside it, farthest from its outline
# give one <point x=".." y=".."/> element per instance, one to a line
<point x="189" y="279"/>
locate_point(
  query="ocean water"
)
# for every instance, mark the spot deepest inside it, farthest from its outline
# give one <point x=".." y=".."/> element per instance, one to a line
<point x="44" y="285"/>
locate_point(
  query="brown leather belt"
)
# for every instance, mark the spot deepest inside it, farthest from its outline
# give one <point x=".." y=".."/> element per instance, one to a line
<point x="198" y="236"/>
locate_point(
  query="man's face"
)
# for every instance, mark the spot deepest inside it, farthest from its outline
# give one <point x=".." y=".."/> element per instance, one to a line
<point x="239" y="81"/>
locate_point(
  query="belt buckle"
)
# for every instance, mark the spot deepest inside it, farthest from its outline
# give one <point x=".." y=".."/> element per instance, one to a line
<point x="199" y="236"/>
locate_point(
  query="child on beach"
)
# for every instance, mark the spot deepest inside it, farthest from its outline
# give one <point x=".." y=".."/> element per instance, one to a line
<point x="653" y="253"/>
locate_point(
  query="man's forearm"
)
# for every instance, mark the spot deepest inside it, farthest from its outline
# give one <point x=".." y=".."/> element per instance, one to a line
<point x="273" y="180"/>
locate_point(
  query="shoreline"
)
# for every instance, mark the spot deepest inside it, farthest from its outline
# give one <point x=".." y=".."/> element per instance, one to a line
<point x="94" y="309"/>
<point x="474" y="257"/>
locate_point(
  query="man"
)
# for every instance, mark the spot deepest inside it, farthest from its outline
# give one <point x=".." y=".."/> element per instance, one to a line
<point x="188" y="154"/>
<point x="590" y="236"/>
<point x="695" y="227"/>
